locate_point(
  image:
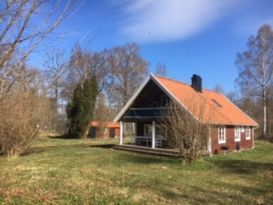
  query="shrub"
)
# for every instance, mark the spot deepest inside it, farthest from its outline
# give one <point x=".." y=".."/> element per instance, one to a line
<point x="21" y="113"/>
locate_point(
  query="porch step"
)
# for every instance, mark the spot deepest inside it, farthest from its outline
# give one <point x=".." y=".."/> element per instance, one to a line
<point x="150" y="151"/>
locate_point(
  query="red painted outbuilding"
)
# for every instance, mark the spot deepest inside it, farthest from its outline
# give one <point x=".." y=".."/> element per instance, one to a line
<point x="104" y="129"/>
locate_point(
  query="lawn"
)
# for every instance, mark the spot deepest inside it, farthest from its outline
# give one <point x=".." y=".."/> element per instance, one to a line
<point x="59" y="171"/>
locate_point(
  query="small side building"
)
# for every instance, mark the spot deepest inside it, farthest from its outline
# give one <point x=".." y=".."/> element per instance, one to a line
<point x="104" y="129"/>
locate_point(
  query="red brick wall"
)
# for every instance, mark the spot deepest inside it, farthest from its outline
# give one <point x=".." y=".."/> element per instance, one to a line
<point x="117" y="132"/>
<point x="244" y="144"/>
<point x="106" y="132"/>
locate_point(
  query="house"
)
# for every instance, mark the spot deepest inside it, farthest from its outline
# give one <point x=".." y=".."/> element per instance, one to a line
<point x="229" y="125"/>
<point x="104" y="129"/>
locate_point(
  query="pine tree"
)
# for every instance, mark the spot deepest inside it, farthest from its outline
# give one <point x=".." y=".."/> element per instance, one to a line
<point x="80" y="110"/>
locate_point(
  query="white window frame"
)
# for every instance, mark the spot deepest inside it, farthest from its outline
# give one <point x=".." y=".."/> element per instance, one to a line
<point x="237" y="134"/>
<point x="248" y="133"/>
<point x="242" y="129"/>
<point x="149" y="127"/>
<point x="221" y="135"/>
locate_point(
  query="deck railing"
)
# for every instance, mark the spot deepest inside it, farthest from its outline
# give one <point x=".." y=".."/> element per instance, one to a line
<point x="147" y="140"/>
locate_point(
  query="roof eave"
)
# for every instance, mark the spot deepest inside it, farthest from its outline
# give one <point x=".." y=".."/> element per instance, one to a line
<point x="131" y="100"/>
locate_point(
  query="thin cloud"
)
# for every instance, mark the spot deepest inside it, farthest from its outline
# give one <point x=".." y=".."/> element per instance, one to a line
<point x="250" y="25"/>
<point x="161" y="20"/>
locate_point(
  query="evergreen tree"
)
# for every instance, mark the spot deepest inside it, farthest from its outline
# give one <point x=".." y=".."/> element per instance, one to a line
<point x="80" y="110"/>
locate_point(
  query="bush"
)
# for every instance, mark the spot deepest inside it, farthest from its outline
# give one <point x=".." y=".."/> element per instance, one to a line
<point x="21" y="113"/>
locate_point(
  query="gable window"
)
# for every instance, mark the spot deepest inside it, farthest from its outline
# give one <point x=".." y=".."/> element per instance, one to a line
<point x="222" y="135"/>
<point x="237" y="134"/>
<point x="248" y="135"/>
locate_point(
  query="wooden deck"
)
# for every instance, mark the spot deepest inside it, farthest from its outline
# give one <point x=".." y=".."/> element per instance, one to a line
<point x="146" y="150"/>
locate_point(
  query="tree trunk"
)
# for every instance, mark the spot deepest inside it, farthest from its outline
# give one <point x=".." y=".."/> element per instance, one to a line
<point x="264" y="113"/>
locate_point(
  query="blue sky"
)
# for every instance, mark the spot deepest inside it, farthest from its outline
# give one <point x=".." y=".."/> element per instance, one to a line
<point x="196" y="36"/>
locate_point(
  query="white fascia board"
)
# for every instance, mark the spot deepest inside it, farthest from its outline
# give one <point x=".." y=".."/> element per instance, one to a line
<point x="131" y="100"/>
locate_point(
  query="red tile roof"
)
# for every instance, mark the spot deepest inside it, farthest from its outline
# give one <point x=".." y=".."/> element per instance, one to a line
<point x="105" y="124"/>
<point x="207" y="106"/>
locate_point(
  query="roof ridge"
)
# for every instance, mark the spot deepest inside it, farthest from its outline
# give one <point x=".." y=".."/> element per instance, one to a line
<point x="160" y="76"/>
<point x="178" y="81"/>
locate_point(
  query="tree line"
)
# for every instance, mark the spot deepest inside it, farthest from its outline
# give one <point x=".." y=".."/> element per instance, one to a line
<point x="119" y="71"/>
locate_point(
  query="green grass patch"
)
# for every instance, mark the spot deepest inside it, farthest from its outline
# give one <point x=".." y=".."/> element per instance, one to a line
<point x="60" y="171"/>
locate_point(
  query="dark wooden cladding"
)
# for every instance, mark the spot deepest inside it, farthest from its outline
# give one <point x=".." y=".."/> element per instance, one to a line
<point x="150" y="99"/>
<point x="151" y="96"/>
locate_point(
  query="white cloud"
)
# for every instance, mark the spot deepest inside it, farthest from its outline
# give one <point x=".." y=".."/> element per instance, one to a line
<point x="167" y="20"/>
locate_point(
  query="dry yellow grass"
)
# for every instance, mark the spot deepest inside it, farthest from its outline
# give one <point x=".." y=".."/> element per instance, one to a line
<point x="59" y="171"/>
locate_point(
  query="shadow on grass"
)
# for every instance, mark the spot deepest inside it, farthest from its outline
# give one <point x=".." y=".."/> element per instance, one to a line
<point x="223" y="193"/>
<point x="63" y="137"/>
<point x="104" y="146"/>
<point x="40" y="149"/>
<point x="36" y="150"/>
<point x="242" y="166"/>
<point x="140" y="158"/>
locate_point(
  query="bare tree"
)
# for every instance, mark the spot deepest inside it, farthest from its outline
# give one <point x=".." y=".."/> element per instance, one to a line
<point x="103" y="111"/>
<point x="233" y="96"/>
<point x="127" y="69"/>
<point x="119" y="72"/>
<point x="23" y="26"/>
<point x="218" y="88"/>
<point x="23" y="111"/>
<point x="81" y="66"/>
<point x="270" y="113"/>
<point x="256" y="69"/>
<point x="56" y="67"/>
<point x="161" y="69"/>
<point x="188" y="131"/>
<point x="102" y="114"/>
